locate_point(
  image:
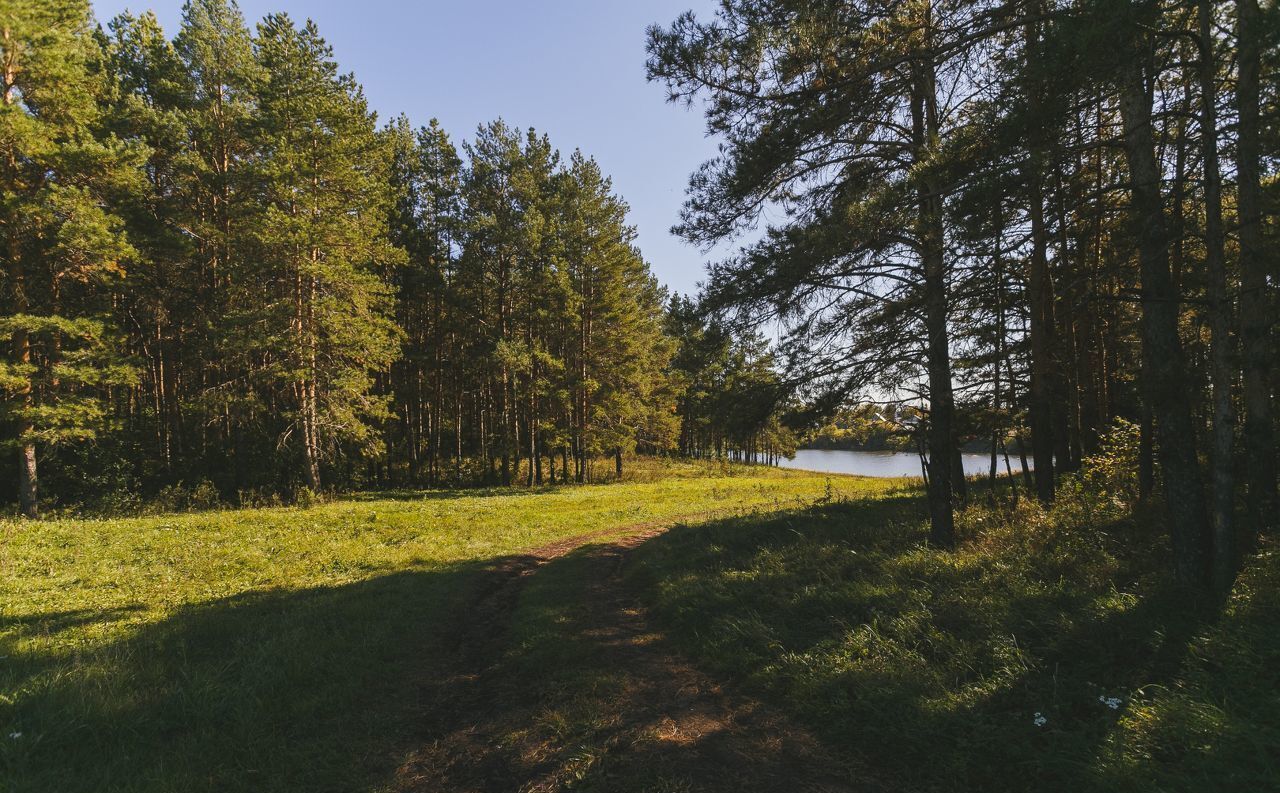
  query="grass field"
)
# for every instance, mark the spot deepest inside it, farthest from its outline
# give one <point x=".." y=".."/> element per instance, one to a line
<point x="418" y="641"/>
<point x="280" y="649"/>
<point x="1047" y="653"/>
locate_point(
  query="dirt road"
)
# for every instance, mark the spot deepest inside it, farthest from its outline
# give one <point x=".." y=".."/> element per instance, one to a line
<point x="623" y="712"/>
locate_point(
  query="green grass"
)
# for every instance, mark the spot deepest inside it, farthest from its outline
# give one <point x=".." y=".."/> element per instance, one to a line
<point x="1215" y="725"/>
<point x="931" y="668"/>
<point x="276" y="649"/>
<point x="289" y="649"/>
<point x="580" y="689"/>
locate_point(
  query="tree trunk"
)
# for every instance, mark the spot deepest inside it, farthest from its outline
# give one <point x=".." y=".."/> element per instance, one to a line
<point x="1166" y="389"/>
<point x="310" y="404"/>
<point x="1043" y="323"/>
<point x="28" y="490"/>
<point x="997" y="265"/>
<point x="1255" y="319"/>
<point x="942" y="440"/>
<point x="311" y="442"/>
<point x="1146" y="442"/>
<point x="1224" y="552"/>
<point x="28" y="482"/>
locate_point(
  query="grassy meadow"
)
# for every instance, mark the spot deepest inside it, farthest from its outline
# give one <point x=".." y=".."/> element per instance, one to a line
<point x="277" y="649"/>
<point x="289" y="649"/>
<point x="1049" y="652"/>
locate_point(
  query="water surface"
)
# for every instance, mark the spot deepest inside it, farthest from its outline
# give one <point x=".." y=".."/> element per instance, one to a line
<point x="887" y="464"/>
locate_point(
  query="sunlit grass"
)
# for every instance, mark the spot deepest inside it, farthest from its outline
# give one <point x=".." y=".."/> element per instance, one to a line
<point x="287" y="649"/>
<point x="275" y="649"/>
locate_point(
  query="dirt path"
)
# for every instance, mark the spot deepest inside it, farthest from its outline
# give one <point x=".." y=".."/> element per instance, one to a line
<point x="634" y="716"/>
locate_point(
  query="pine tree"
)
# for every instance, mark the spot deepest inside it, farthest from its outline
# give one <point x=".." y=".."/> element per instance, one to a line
<point x="313" y="309"/>
<point x="1257" y="296"/>
<point x="426" y="381"/>
<point x="157" y="303"/>
<point x="833" y="112"/>
<point x="190" y="101"/>
<point x="63" y="249"/>
<point x="616" y="367"/>
<point x="219" y="98"/>
<point x="729" y="398"/>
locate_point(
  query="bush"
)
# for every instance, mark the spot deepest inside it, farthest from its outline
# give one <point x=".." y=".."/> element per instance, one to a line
<point x="1078" y="531"/>
<point x="305" y="497"/>
<point x="254" y="498"/>
<point x="1107" y="483"/>
<point x="203" y="495"/>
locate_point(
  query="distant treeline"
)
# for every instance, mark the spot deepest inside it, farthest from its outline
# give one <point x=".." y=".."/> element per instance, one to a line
<point x="891" y="426"/>
<point x="869" y="427"/>
<point x="219" y="270"/>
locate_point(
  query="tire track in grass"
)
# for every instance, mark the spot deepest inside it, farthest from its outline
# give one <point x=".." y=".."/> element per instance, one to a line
<point x="653" y="722"/>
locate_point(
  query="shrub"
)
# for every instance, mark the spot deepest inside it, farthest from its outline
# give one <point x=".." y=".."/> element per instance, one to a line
<point x="180" y="497"/>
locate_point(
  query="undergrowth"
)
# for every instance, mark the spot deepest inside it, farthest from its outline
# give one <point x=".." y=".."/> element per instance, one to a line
<point x="1050" y="650"/>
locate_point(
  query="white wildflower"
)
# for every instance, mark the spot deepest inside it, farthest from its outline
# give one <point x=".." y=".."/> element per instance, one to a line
<point x="1111" y="702"/>
<point x="1040" y="720"/>
<point x="15" y="735"/>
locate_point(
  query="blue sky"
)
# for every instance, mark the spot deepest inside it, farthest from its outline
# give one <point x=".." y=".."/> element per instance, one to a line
<point x="571" y="68"/>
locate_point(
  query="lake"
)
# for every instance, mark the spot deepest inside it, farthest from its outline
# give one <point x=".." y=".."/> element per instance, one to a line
<point x="888" y="464"/>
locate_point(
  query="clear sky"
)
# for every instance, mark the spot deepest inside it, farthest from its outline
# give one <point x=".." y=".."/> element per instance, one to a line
<point x="573" y="69"/>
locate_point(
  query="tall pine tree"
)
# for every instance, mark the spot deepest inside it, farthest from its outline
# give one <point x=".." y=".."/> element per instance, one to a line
<point x="63" y="249"/>
<point x="312" y="316"/>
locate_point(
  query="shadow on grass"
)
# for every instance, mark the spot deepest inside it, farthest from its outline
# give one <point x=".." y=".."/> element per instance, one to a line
<point x="58" y="621"/>
<point x="314" y="690"/>
<point x="930" y="667"/>
<point x="448" y="494"/>
<point x="585" y="695"/>
<point x="927" y="668"/>
<point x="387" y="683"/>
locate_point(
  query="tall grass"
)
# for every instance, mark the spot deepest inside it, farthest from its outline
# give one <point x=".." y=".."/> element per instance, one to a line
<point x="1050" y="651"/>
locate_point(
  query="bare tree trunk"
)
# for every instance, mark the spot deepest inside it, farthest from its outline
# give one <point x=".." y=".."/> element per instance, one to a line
<point x="997" y="264"/>
<point x="310" y="413"/>
<point x="1166" y="386"/>
<point x="1008" y="468"/>
<point x="28" y="481"/>
<point x="1224" y="551"/>
<point x="457" y="435"/>
<point x="1255" y="309"/>
<point x="942" y="439"/>
<point x="1043" y="323"/>
<point x="507" y="407"/>
<point x="1019" y="431"/>
<point x="310" y="439"/>
<point x="1027" y="477"/>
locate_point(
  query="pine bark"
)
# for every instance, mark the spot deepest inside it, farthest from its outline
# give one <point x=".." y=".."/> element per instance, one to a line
<point x="942" y="440"/>
<point x="1167" y="388"/>
<point x="1221" y="374"/>
<point x="1255" y="308"/>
